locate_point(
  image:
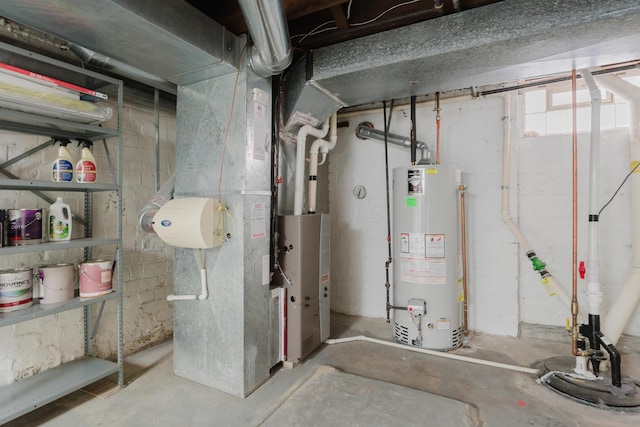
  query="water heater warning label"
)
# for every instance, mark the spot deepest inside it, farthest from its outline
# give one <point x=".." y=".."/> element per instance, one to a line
<point x="434" y="244"/>
<point x="423" y="271"/>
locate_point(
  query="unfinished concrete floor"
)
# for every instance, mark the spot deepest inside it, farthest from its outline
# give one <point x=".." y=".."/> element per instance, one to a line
<point x="498" y="397"/>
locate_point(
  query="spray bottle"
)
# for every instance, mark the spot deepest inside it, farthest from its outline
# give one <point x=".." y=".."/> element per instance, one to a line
<point x="62" y="167"/>
<point x="59" y="221"/>
<point x="86" y="170"/>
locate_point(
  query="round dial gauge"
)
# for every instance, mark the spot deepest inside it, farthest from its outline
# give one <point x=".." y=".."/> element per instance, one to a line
<point x="359" y="191"/>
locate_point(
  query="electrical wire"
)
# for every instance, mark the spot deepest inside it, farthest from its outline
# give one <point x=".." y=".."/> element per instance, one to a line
<point x="226" y="225"/>
<point x="318" y="30"/>
<point x="616" y="192"/>
<point x="226" y="131"/>
<point x="355" y="24"/>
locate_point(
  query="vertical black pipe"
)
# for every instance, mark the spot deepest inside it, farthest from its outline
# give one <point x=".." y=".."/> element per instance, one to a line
<point x="387" y="285"/>
<point x="413" y="130"/>
<point x="614" y="359"/>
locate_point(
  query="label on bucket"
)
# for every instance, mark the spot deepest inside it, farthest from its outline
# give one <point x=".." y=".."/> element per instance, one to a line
<point x="16" y="290"/>
<point x="25" y="226"/>
<point x="95" y="278"/>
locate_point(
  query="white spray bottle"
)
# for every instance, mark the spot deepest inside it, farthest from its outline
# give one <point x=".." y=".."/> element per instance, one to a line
<point x="62" y="167"/>
<point x="86" y="170"/>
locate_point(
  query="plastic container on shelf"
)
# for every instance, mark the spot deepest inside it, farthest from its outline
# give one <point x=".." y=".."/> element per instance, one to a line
<point x="86" y="170"/>
<point x="62" y="167"/>
<point x="59" y="221"/>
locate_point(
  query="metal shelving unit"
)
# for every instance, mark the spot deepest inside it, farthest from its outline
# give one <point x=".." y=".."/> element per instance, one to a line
<point x="27" y="394"/>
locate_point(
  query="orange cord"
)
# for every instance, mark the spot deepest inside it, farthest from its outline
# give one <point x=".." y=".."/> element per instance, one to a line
<point x="226" y="132"/>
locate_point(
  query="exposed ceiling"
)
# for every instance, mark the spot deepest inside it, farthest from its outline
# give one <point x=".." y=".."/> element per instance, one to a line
<point x="405" y="48"/>
<point x="318" y="23"/>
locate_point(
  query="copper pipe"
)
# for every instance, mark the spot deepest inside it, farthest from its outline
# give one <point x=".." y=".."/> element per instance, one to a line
<point x="437" y="110"/>
<point x="463" y="238"/>
<point x="574" y="258"/>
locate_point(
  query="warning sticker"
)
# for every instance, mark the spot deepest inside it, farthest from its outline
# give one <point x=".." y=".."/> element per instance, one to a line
<point x="258" y="221"/>
<point x="434" y="244"/>
<point x="416" y="244"/>
<point x="404" y="243"/>
<point x="442" y="324"/>
<point x="422" y="271"/>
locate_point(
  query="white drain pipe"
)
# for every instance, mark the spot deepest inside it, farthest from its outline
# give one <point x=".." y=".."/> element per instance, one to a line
<point x="304" y="131"/>
<point x="594" y="290"/>
<point x="324" y="147"/>
<point x="435" y="353"/>
<point x="625" y="304"/>
<point x="550" y="282"/>
<point x="204" y="292"/>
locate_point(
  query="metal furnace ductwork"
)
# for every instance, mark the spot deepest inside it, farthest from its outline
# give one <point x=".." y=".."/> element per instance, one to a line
<point x="267" y="25"/>
<point x="144" y="42"/>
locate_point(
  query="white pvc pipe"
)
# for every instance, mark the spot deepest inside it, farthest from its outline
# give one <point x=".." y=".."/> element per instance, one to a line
<point x="506" y="216"/>
<point x="304" y="131"/>
<point x="324" y="147"/>
<point x="594" y="290"/>
<point x="625" y="304"/>
<point x="204" y="292"/>
<point x="435" y="353"/>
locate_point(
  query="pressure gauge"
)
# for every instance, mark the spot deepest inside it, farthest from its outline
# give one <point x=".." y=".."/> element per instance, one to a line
<point x="360" y="192"/>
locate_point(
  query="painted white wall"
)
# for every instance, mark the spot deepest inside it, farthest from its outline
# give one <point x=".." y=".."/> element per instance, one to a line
<point x="545" y="216"/>
<point x="503" y="288"/>
<point x="40" y="344"/>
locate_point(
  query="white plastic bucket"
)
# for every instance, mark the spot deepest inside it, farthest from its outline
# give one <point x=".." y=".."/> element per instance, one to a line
<point x="57" y="282"/>
<point x="95" y="277"/>
<point x="16" y="289"/>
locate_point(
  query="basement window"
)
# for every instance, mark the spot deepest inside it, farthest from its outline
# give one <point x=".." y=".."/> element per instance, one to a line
<point x="548" y="109"/>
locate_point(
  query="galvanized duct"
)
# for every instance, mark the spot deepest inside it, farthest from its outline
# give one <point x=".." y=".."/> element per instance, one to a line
<point x="267" y="25"/>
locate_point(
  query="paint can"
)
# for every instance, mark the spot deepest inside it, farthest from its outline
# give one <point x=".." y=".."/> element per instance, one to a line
<point x="95" y="277"/>
<point x="16" y="289"/>
<point x="3" y="225"/>
<point x="56" y="283"/>
<point x="25" y="226"/>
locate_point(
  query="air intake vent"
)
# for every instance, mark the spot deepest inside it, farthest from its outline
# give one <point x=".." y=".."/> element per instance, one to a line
<point x="401" y="333"/>
<point x="456" y="338"/>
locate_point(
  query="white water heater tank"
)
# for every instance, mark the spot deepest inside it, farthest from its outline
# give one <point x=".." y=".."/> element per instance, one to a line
<point x="427" y="291"/>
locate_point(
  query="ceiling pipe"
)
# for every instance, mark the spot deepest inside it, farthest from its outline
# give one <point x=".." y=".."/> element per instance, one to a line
<point x="365" y="130"/>
<point x="267" y="23"/>
<point x="122" y="69"/>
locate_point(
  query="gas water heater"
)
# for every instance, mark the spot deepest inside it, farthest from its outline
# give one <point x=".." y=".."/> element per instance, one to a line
<point x="427" y="293"/>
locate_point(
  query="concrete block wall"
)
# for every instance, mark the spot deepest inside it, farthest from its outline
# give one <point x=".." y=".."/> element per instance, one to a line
<point x="503" y="289"/>
<point x="147" y="263"/>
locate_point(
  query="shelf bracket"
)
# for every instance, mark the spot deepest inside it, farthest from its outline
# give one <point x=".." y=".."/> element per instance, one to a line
<point x="26" y="154"/>
<point x="40" y="194"/>
<point x="97" y="323"/>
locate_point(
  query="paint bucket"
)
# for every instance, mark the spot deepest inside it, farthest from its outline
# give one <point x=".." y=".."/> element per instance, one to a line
<point x="95" y="277"/>
<point x="25" y="226"/>
<point x="56" y="283"/>
<point x="16" y="289"/>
